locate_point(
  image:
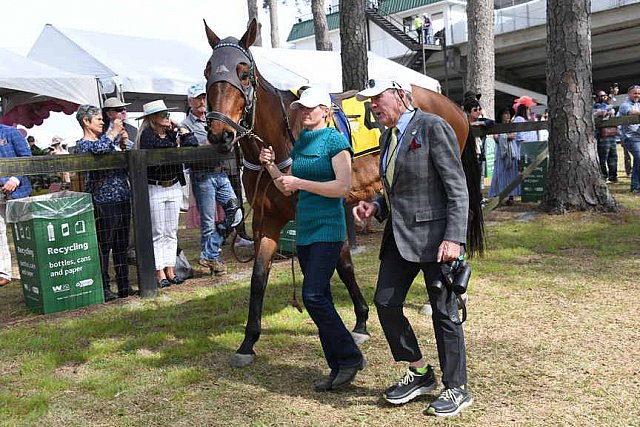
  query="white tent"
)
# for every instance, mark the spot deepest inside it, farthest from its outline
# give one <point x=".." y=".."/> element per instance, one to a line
<point x="25" y="81"/>
<point x="324" y="68"/>
<point x="143" y="69"/>
<point x="136" y="67"/>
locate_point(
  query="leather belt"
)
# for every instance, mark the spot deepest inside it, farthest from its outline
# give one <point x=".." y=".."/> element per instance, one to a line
<point x="163" y="183"/>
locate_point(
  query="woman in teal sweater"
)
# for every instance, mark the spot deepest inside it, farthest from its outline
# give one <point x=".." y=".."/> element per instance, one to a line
<point x="321" y="172"/>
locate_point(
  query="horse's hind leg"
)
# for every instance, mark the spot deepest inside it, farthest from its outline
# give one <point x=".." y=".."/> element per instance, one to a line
<point x="360" y="307"/>
<point x="261" y="266"/>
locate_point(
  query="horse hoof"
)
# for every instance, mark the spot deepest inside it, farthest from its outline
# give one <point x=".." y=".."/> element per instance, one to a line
<point x="359" y="338"/>
<point x="241" y="360"/>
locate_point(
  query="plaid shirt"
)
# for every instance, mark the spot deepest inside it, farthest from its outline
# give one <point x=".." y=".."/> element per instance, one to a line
<point x="13" y="144"/>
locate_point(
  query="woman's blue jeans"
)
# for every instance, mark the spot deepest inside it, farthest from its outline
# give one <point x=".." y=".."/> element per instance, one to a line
<point x="318" y="262"/>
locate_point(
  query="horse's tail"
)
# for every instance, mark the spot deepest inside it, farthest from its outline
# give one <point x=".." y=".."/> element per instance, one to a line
<point x="475" y="227"/>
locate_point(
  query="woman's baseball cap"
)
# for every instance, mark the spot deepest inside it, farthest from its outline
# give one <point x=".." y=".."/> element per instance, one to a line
<point x="311" y="98"/>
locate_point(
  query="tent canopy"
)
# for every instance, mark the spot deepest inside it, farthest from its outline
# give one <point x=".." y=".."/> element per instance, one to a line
<point x="324" y="68"/>
<point x="30" y="89"/>
<point x="132" y="66"/>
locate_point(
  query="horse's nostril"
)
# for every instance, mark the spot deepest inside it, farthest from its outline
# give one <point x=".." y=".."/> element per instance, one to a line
<point x="228" y="136"/>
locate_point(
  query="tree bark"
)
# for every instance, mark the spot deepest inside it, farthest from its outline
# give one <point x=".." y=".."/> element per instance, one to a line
<point x="574" y="182"/>
<point x="353" y="44"/>
<point x="320" y="27"/>
<point x="273" y="20"/>
<point x="481" y="66"/>
<point x="252" y="6"/>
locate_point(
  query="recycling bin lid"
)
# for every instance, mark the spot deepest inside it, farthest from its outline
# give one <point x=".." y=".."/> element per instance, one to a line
<point x="62" y="204"/>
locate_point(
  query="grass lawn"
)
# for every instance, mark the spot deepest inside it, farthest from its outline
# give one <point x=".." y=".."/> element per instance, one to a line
<point x="551" y="339"/>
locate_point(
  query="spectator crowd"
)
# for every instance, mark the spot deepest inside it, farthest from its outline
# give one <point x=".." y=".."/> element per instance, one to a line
<point x="104" y="130"/>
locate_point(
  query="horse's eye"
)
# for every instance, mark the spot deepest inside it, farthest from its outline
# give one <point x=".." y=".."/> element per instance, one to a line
<point x="244" y="76"/>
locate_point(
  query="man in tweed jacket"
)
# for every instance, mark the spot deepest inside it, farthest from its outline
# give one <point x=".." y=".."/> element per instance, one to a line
<point x="425" y="205"/>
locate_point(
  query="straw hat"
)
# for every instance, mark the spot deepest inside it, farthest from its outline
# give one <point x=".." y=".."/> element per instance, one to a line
<point x="153" y="107"/>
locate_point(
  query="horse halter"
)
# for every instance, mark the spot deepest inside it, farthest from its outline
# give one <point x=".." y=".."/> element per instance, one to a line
<point x="223" y="69"/>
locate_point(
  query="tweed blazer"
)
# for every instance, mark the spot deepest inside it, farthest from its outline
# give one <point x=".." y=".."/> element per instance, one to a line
<point x="428" y="197"/>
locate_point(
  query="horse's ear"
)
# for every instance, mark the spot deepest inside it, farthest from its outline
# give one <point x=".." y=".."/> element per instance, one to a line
<point x="207" y="70"/>
<point x="250" y="35"/>
<point x="211" y="36"/>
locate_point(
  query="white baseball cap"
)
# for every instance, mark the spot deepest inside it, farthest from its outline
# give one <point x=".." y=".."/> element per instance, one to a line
<point x="311" y="98"/>
<point x="376" y="87"/>
<point x="196" y="90"/>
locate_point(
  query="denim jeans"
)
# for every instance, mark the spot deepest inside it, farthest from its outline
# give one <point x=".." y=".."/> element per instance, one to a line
<point x="318" y="262"/>
<point x="608" y="156"/>
<point x="633" y="146"/>
<point x="209" y="187"/>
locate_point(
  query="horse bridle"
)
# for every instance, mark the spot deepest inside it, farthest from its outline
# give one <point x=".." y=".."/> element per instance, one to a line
<point x="230" y="52"/>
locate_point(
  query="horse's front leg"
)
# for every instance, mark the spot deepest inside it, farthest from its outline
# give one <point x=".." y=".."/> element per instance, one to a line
<point x="360" y="307"/>
<point x="261" y="266"/>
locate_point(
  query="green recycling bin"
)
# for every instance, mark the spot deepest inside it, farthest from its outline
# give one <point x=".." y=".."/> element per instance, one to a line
<point x="57" y="251"/>
<point x="287" y="242"/>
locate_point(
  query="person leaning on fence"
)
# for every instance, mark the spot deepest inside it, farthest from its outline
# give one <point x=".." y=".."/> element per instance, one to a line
<point x="507" y="160"/>
<point x="425" y="204"/>
<point x="12" y="144"/>
<point x="210" y="184"/>
<point x="631" y="133"/>
<point x="115" y="109"/>
<point x="111" y="198"/>
<point x="165" y="192"/>
<point x="321" y="172"/>
<point x="522" y="107"/>
<point x="606" y="137"/>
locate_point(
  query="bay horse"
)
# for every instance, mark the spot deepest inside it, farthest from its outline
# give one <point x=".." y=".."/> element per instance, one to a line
<point x="245" y="108"/>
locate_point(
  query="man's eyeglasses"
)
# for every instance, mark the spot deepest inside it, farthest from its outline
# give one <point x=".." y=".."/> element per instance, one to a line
<point x="119" y="109"/>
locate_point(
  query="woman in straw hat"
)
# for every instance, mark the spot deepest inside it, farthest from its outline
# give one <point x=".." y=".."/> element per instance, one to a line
<point x="165" y="192"/>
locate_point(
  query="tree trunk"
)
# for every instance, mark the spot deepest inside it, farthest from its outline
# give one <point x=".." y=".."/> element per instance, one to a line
<point x="353" y="44"/>
<point x="273" y="20"/>
<point x="574" y="182"/>
<point x="320" y="27"/>
<point x="252" y="6"/>
<point x="480" y="57"/>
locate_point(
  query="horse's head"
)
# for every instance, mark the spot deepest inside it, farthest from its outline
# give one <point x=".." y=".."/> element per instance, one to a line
<point x="231" y="87"/>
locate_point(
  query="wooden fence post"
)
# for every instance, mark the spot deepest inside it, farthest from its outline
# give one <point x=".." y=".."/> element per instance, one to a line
<point x="145" y="260"/>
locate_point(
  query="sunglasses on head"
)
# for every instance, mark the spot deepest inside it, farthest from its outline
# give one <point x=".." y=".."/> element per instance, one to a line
<point x="372" y="83"/>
